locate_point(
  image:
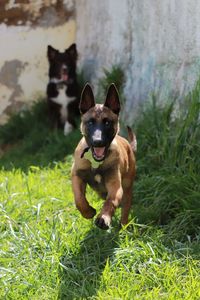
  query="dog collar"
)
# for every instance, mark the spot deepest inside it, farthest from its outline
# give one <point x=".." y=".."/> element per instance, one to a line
<point x="87" y="154"/>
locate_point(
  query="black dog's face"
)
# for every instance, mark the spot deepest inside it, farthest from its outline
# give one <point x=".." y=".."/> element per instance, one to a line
<point x="62" y="65"/>
<point x="99" y="122"/>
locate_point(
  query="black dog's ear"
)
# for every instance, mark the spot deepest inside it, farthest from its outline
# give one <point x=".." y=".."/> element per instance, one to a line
<point x="87" y="99"/>
<point x="72" y="51"/>
<point x="112" y="99"/>
<point x="51" y="53"/>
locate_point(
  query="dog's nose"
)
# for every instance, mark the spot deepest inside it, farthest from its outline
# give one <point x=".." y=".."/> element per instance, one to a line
<point x="97" y="139"/>
<point x="64" y="69"/>
<point x="97" y="135"/>
<point x="98" y="144"/>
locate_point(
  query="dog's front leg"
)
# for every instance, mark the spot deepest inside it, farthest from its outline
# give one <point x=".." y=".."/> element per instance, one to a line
<point x="114" y="198"/>
<point x="81" y="202"/>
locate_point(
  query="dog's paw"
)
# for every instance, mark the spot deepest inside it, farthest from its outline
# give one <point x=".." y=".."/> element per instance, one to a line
<point x="103" y="222"/>
<point x="67" y="128"/>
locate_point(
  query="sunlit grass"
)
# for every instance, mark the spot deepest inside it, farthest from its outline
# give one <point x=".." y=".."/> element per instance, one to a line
<point x="48" y="250"/>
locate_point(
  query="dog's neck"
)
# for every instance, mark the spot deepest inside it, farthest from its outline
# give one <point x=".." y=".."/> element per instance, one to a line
<point x="60" y="82"/>
<point x="87" y="154"/>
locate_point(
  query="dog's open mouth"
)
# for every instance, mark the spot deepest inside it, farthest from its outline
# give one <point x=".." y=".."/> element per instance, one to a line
<point x="64" y="77"/>
<point x="98" y="153"/>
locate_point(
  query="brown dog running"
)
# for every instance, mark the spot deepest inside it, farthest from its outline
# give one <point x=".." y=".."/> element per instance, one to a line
<point x="103" y="159"/>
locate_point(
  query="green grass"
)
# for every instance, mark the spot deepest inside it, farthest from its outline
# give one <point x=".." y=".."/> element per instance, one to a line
<point x="116" y="76"/>
<point x="48" y="251"/>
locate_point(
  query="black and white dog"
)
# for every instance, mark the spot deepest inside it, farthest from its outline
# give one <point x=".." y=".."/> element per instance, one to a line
<point x="63" y="90"/>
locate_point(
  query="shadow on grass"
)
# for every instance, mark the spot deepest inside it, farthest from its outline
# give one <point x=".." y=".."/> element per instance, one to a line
<point x="27" y="140"/>
<point x="52" y="148"/>
<point x="81" y="272"/>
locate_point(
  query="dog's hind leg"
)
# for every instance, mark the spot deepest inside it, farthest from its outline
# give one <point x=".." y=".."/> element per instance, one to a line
<point x="126" y="205"/>
<point x="81" y="202"/>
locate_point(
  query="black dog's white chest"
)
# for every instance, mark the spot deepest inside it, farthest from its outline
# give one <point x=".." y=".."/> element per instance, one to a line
<point x="63" y="100"/>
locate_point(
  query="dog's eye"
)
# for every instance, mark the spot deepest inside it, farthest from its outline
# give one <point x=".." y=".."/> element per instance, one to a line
<point x="91" y="122"/>
<point x="106" y="122"/>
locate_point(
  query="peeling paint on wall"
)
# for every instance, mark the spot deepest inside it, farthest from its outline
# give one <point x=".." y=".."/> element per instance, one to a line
<point x="36" y="13"/>
<point x="9" y="73"/>
<point x="25" y="31"/>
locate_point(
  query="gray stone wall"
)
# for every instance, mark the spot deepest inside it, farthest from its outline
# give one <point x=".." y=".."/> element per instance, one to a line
<point x="156" y="42"/>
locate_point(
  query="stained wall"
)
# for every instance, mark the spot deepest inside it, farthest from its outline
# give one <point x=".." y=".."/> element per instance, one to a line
<point x="26" y="28"/>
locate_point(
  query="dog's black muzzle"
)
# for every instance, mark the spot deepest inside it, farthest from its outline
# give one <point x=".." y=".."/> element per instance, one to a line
<point x="99" y="139"/>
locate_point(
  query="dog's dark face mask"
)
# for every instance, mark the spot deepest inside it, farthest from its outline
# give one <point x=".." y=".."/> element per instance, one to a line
<point x="62" y="65"/>
<point x="99" y="122"/>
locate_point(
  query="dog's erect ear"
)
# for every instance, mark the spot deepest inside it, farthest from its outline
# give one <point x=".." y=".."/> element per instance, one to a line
<point x="112" y="99"/>
<point x="51" y="53"/>
<point x="72" y="51"/>
<point x="87" y="99"/>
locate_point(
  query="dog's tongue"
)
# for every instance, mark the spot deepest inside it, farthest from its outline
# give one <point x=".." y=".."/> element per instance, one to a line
<point x="99" y="151"/>
<point x="64" y="77"/>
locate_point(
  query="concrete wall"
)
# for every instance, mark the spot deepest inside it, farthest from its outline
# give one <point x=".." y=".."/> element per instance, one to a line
<point x="156" y="42"/>
<point x="26" y="28"/>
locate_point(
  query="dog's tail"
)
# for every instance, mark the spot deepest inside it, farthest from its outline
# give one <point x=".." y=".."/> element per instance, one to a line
<point x="132" y="139"/>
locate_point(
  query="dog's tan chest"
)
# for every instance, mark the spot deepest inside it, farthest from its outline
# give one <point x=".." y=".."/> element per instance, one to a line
<point x="98" y="178"/>
<point x="95" y="178"/>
